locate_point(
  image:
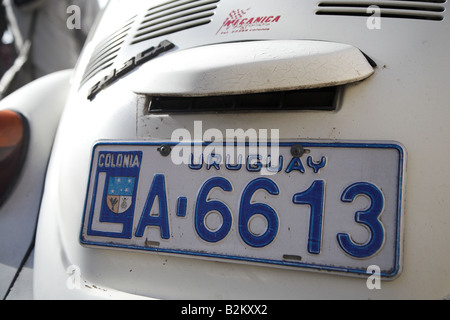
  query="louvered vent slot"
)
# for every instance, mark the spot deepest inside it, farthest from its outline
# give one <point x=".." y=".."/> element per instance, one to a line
<point x="323" y="99"/>
<point x="415" y="9"/>
<point x="106" y="51"/>
<point x="175" y="16"/>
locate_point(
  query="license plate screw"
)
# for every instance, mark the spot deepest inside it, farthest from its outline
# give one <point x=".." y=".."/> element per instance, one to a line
<point x="165" y="150"/>
<point x="297" y="150"/>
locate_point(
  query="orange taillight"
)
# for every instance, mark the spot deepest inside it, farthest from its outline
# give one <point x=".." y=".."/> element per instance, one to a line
<point x="13" y="146"/>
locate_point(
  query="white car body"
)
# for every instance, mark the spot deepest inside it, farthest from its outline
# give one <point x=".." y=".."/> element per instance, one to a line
<point x="398" y="94"/>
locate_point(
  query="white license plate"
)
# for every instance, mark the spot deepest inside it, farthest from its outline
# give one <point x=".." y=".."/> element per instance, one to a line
<point x="336" y="207"/>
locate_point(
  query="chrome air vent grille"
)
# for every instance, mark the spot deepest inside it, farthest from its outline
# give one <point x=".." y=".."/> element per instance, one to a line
<point x="174" y="16"/>
<point x="106" y="51"/>
<point x="415" y="9"/>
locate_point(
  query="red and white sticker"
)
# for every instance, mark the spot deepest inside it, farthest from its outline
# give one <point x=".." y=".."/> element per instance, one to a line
<point x="242" y="20"/>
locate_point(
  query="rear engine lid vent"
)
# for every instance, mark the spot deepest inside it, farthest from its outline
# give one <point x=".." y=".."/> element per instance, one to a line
<point x="323" y="99"/>
<point x="106" y="51"/>
<point x="416" y="9"/>
<point x="174" y="16"/>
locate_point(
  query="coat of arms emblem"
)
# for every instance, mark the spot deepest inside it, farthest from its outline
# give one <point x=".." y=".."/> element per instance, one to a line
<point x="120" y="194"/>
